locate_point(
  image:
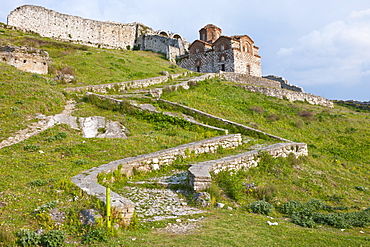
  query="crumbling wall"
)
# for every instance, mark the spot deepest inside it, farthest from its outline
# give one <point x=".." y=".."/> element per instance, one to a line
<point x="284" y="83"/>
<point x="49" y="23"/>
<point x="124" y="207"/>
<point x="290" y="95"/>
<point x="200" y="177"/>
<point x="25" y="58"/>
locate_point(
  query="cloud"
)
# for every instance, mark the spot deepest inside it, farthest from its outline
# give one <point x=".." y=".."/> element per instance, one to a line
<point x="337" y="53"/>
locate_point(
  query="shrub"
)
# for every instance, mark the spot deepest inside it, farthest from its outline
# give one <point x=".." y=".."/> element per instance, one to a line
<point x="304" y="219"/>
<point x="95" y="235"/>
<point x="314" y="205"/>
<point x="306" y="114"/>
<point x="31" y="148"/>
<point x="265" y="193"/>
<point x="261" y="207"/>
<point x="257" y="109"/>
<point x="38" y="182"/>
<point x="290" y="207"/>
<point x="27" y="238"/>
<point x="53" y="238"/>
<point x="232" y="184"/>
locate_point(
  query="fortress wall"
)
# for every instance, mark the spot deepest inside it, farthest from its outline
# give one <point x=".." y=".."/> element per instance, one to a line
<point x="200" y="177"/>
<point x="49" y="23"/>
<point x="52" y="24"/>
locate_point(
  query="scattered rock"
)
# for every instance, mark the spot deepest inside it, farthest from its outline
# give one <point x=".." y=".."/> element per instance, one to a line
<point x="272" y="223"/>
<point x="157" y="204"/>
<point x="90" y="216"/>
<point x="229" y="208"/>
<point x="56" y="215"/>
<point x="182" y="228"/>
<point x="220" y="205"/>
<point x="67" y="78"/>
<point x="203" y="199"/>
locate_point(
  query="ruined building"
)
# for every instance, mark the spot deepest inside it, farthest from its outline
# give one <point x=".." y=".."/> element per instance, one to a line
<point x="214" y="52"/>
<point x="114" y="35"/>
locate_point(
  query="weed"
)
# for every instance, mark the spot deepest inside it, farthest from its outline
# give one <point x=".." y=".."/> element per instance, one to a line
<point x="53" y="238"/>
<point x="31" y="148"/>
<point x="261" y="207"/>
<point x="27" y="238"/>
<point x="265" y="193"/>
<point x="306" y="114"/>
<point x="95" y="234"/>
<point x="38" y="182"/>
<point x="290" y="207"/>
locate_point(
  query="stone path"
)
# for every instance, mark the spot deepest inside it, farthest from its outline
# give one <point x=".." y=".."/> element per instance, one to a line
<point x="44" y="123"/>
<point x="160" y="204"/>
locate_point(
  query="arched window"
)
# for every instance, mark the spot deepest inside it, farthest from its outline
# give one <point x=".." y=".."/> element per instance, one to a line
<point x="222" y="58"/>
<point x="248" y="69"/>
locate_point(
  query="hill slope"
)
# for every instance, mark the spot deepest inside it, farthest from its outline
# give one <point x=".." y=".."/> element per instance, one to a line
<point x="336" y="170"/>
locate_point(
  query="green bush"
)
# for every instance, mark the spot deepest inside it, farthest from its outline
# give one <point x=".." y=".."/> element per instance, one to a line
<point x="290" y="207"/>
<point x="304" y="219"/>
<point x="31" y="148"/>
<point x="265" y="193"/>
<point x="53" y="238"/>
<point x="95" y="235"/>
<point x="232" y="184"/>
<point x="27" y="238"/>
<point x="261" y="207"/>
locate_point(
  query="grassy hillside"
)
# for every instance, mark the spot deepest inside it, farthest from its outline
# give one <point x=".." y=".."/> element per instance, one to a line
<point x="32" y="182"/>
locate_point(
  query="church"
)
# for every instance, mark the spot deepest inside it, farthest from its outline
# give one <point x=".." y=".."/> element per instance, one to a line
<point x="214" y="53"/>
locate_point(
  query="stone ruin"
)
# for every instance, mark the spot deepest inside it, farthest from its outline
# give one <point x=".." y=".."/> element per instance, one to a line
<point x="27" y="59"/>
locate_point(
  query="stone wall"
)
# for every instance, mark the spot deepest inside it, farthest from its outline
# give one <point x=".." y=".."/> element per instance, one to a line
<point x="247" y="63"/>
<point x="200" y="177"/>
<point x="49" y="23"/>
<point x="122" y="86"/>
<point x="224" y="122"/>
<point x="123" y="207"/>
<point x="284" y="83"/>
<point x="290" y="95"/>
<point x="26" y="59"/>
<point x="249" y="79"/>
<point x="172" y="47"/>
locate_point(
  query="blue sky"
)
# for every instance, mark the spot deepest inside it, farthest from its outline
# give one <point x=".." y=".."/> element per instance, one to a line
<point x="322" y="46"/>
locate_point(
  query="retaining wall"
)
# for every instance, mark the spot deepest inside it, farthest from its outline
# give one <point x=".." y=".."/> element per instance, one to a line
<point x="123" y="207"/>
<point x="249" y="79"/>
<point x="122" y="86"/>
<point x="242" y="128"/>
<point x="290" y="95"/>
<point x="200" y="177"/>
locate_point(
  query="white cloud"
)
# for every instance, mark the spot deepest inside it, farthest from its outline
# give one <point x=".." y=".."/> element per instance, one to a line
<point x="338" y="53"/>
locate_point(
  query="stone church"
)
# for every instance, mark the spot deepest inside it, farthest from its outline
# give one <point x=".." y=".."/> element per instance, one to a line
<point x="214" y="52"/>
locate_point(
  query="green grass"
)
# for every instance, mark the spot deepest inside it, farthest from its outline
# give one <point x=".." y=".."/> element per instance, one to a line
<point x="337" y="139"/>
<point x="90" y="65"/>
<point x="336" y="170"/>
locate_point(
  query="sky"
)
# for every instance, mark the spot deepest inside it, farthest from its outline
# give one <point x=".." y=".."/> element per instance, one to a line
<point x="320" y="45"/>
